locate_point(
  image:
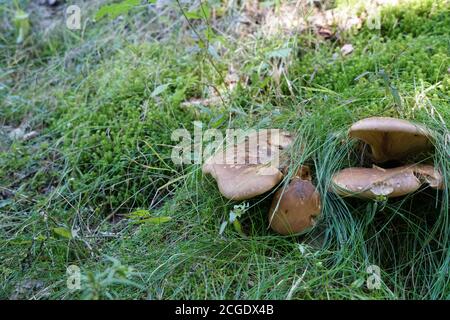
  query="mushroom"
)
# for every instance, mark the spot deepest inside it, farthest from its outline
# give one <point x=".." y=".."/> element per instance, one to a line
<point x="376" y="181"/>
<point x="429" y="174"/>
<point x="390" y="138"/>
<point x="252" y="168"/>
<point x="295" y="208"/>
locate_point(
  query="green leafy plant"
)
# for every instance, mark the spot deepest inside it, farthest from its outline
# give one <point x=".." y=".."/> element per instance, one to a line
<point x="116" y="9"/>
<point x="104" y="284"/>
<point x="144" y="216"/>
<point x="233" y="218"/>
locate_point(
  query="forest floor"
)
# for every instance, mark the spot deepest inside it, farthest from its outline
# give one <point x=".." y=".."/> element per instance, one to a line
<point x="86" y="178"/>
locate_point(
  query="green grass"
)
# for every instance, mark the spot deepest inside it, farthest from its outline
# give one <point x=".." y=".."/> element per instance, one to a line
<point x="105" y="103"/>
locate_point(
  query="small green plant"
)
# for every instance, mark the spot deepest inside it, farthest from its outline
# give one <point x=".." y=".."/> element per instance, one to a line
<point x="233" y="218"/>
<point x="22" y="24"/>
<point x="104" y="284"/>
<point x="116" y="9"/>
<point x="144" y="216"/>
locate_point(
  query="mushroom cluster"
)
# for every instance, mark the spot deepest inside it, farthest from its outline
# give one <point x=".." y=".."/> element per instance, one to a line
<point x="253" y="167"/>
<point x="389" y="139"/>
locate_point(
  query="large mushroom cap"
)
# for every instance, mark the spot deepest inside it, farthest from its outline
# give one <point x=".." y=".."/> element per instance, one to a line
<point x="376" y="181"/>
<point x="295" y="208"/>
<point x="251" y="169"/>
<point x="241" y="182"/>
<point x="390" y="138"/>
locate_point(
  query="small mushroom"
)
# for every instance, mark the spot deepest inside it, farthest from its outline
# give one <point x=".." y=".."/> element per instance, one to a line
<point x="390" y="138"/>
<point x="295" y="208"/>
<point x="250" y="170"/>
<point x="372" y="182"/>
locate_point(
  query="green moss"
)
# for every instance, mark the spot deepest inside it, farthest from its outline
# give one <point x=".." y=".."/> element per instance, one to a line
<point x="121" y="133"/>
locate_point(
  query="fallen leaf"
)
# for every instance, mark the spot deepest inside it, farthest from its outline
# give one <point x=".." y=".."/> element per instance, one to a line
<point x="346" y="49"/>
<point x="63" y="232"/>
<point x="30" y="135"/>
<point x="202" y="102"/>
<point x="325" y="32"/>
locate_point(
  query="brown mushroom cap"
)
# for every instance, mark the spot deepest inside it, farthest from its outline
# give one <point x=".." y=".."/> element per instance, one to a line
<point x="376" y="181"/>
<point x="294" y="208"/>
<point x="390" y="138"/>
<point x="248" y="172"/>
<point x="241" y="182"/>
